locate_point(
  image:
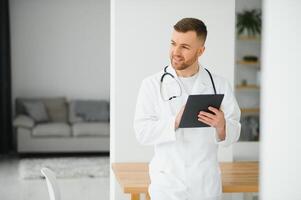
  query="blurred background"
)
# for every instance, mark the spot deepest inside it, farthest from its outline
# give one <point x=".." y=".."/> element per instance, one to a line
<point x="55" y="98"/>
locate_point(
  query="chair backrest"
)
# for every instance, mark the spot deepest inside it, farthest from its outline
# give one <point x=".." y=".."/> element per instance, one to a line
<point x="53" y="188"/>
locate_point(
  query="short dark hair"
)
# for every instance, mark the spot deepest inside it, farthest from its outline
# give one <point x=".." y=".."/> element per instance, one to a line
<point x="192" y="24"/>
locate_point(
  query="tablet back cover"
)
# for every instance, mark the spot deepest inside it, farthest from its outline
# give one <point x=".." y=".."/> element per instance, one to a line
<point x="197" y="103"/>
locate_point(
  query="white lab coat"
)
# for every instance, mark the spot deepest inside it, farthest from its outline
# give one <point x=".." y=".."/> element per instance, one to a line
<point x="185" y="164"/>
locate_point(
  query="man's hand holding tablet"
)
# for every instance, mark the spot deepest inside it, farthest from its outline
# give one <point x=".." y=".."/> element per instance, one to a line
<point x="216" y="120"/>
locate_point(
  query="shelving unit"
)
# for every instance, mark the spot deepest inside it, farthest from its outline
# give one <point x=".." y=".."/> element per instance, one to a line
<point x="247" y="89"/>
<point x="250" y="110"/>
<point x="243" y="62"/>
<point x="249" y="38"/>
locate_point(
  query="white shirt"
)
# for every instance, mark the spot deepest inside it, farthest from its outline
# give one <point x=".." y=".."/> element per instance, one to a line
<point x="188" y="82"/>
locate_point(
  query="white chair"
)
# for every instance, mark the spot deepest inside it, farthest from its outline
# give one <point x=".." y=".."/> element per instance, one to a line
<point x="53" y="188"/>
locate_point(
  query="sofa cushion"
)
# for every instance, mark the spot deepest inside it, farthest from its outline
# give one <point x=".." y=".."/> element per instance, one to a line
<point x="91" y="129"/>
<point x="73" y="117"/>
<point x="23" y="121"/>
<point x="93" y="110"/>
<point x="36" y="110"/>
<point x="56" y="107"/>
<point x="52" y="129"/>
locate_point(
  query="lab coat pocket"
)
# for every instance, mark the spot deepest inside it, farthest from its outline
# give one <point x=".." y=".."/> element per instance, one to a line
<point x="160" y="174"/>
<point x="157" y="171"/>
<point x="157" y="165"/>
<point x="213" y="183"/>
<point x="167" y="180"/>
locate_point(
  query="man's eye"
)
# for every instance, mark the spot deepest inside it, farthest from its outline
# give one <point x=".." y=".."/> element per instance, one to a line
<point x="185" y="47"/>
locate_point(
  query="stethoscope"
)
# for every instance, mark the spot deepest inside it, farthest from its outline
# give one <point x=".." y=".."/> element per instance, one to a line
<point x="165" y="74"/>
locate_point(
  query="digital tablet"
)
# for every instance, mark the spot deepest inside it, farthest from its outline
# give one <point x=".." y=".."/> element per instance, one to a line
<point x="197" y="103"/>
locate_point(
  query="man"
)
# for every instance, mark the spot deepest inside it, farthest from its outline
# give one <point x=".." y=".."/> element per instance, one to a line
<point x="185" y="164"/>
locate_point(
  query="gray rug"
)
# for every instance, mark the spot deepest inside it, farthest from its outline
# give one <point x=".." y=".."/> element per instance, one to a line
<point x="65" y="167"/>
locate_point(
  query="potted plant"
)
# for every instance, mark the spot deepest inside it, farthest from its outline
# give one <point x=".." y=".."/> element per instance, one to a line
<point x="249" y="22"/>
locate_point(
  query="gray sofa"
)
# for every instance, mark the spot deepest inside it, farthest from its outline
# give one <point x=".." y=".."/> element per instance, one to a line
<point x="48" y="125"/>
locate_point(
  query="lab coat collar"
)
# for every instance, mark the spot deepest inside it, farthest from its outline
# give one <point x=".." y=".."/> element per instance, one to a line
<point x="202" y="82"/>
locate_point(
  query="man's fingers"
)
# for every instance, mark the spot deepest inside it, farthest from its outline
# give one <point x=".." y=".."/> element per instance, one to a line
<point x="214" y="120"/>
<point x="206" y="121"/>
<point x="216" y="111"/>
<point x="212" y="116"/>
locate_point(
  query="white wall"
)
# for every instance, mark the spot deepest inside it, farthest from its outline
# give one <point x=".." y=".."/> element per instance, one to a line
<point x="60" y="48"/>
<point x="140" y="39"/>
<point x="281" y="97"/>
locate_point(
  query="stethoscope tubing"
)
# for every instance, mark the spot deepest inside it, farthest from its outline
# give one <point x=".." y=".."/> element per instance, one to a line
<point x="169" y="74"/>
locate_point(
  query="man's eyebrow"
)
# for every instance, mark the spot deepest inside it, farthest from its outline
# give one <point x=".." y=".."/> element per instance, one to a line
<point x="184" y="44"/>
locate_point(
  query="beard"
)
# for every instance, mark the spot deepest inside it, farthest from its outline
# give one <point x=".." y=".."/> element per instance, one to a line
<point x="183" y="64"/>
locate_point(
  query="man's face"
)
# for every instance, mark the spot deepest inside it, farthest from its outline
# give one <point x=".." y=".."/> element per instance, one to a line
<point x="185" y="49"/>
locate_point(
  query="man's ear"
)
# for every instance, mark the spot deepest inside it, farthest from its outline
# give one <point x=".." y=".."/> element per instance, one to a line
<point x="201" y="50"/>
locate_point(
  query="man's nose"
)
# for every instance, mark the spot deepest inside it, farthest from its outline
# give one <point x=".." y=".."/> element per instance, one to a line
<point x="176" y="51"/>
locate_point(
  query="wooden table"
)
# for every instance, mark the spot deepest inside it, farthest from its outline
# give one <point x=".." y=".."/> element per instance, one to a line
<point x="236" y="177"/>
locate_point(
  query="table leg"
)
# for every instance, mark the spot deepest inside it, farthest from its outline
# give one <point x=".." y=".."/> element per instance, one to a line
<point x="147" y="197"/>
<point x="135" y="196"/>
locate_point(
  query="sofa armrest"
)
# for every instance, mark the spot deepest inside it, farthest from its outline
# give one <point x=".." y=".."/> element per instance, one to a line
<point x="23" y="121"/>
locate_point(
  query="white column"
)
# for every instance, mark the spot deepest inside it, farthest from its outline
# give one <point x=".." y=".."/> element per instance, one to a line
<point x="281" y="114"/>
